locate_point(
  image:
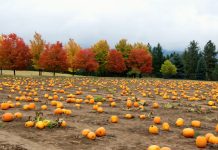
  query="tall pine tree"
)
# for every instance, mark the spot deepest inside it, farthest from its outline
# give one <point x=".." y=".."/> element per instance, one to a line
<point x="201" y="69"/>
<point x="210" y="58"/>
<point x="158" y="59"/>
<point x="190" y="58"/>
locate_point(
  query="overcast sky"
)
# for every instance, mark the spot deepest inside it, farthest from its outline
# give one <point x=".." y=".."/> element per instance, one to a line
<point x="173" y="23"/>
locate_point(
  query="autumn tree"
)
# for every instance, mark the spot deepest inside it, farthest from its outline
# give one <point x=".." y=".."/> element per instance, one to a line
<point x="37" y="46"/>
<point x="140" y="61"/>
<point x="115" y="62"/>
<point x="124" y="48"/>
<point x="85" y="61"/>
<point x="168" y="69"/>
<point x="72" y="49"/>
<point x="54" y="58"/>
<point x="140" y="45"/>
<point x="14" y="53"/>
<point x="101" y="50"/>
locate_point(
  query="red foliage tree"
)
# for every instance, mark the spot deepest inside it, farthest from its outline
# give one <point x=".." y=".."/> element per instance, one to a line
<point x="14" y="53"/>
<point x="85" y="60"/>
<point x="115" y="62"/>
<point x="140" y="60"/>
<point x="54" y="58"/>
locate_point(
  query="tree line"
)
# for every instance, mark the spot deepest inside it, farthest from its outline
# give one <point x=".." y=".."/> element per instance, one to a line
<point x="126" y="59"/>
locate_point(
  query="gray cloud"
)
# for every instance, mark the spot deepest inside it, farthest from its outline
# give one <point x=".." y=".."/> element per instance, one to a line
<point x="173" y="23"/>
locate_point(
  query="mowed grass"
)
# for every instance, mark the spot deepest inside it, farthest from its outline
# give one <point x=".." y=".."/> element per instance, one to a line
<point x="25" y="73"/>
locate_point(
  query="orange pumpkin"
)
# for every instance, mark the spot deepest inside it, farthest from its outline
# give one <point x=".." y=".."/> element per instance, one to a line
<point x="153" y="147"/>
<point x="95" y="107"/>
<point x="18" y="115"/>
<point x="113" y="104"/>
<point x="63" y="123"/>
<point x="100" y="110"/>
<point x="157" y="120"/>
<point x="142" y="116"/>
<point x="5" y="106"/>
<point x="188" y="132"/>
<point x="196" y="123"/>
<point x="155" y="105"/>
<point x="85" y="132"/>
<point x="7" y="117"/>
<point x="129" y="103"/>
<point x="32" y="106"/>
<point x="91" y="135"/>
<point x="128" y="116"/>
<point x="44" y="107"/>
<point x="58" y="111"/>
<point x="213" y="139"/>
<point x="153" y="129"/>
<point x="208" y="135"/>
<point x="100" y="132"/>
<point x="179" y="122"/>
<point x="29" y="124"/>
<point x="166" y="126"/>
<point x="136" y="104"/>
<point x="91" y="101"/>
<point x="114" y="119"/>
<point x="201" y="142"/>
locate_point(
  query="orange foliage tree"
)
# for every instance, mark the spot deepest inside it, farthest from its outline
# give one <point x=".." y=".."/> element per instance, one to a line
<point x="54" y="58"/>
<point x="140" y="61"/>
<point x="115" y="62"/>
<point x="85" y="60"/>
<point x="14" y="53"/>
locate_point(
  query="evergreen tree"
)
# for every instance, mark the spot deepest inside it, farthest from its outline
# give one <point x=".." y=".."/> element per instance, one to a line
<point x="210" y="58"/>
<point x="158" y="59"/>
<point x="190" y="58"/>
<point x="215" y="73"/>
<point x="177" y="61"/>
<point x="201" y="69"/>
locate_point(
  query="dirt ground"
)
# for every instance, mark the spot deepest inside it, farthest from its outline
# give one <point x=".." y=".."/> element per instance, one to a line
<point x="127" y="134"/>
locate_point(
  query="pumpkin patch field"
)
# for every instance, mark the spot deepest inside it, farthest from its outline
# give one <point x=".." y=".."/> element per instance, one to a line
<point x="55" y="113"/>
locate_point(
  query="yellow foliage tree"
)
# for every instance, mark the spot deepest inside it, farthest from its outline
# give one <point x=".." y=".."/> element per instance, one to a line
<point x="37" y="46"/>
<point x="101" y="50"/>
<point x="72" y="49"/>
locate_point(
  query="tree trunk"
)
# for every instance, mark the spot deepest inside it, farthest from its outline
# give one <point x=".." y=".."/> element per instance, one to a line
<point x="1" y="71"/>
<point x="39" y="72"/>
<point x="54" y="73"/>
<point x="14" y="72"/>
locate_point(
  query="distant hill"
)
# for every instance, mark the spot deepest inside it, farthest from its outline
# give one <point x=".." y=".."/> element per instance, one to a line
<point x="168" y="52"/>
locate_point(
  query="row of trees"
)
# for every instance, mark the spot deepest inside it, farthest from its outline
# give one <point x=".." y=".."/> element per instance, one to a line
<point x="126" y="59"/>
<point x="99" y="59"/>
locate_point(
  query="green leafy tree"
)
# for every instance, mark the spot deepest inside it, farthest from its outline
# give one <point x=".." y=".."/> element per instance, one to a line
<point x="201" y="69"/>
<point x="210" y="58"/>
<point x="190" y="58"/>
<point x="158" y="59"/>
<point x="124" y="47"/>
<point x="101" y="51"/>
<point x="168" y="69"/>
